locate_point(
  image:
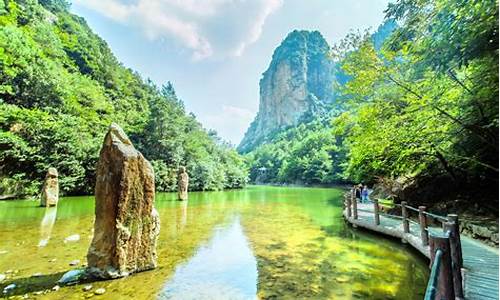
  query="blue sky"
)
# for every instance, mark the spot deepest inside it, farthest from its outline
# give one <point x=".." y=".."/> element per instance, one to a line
<point x="214" y="51"/>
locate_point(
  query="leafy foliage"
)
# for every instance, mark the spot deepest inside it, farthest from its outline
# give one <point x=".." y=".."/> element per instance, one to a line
<point x="420" y="103"/>
<point x="60" y="87"/>
<point x="306" y="154"/>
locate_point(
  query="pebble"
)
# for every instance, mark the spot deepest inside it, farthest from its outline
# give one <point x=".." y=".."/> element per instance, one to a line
<point x="52" y="260"/>
<point x="75" y="262"/>
<point x="87" y="288"/>
<point x="3" y="251"/>
<point x="56" y="288"/>
<point x="9" y="288"/>
<point x="2" y="277"/>
<point x="71" y="277"/>
<point x="72" y="238"/>
<point x="37" y="274"/>
<point x="8" y="271"/>
<point x="38" y="293"/>
<point x="342" y="279"/>
<point x="100" y="291"/>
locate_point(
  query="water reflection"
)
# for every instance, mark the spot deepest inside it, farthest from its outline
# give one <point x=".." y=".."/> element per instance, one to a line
<point x="182" y="216"/>
<point x="49" y="218"/>
<point x="225" y="268"/>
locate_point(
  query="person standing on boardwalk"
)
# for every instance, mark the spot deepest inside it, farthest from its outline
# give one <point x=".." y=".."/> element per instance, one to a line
<point x="364" y="194"/>
<point x="357" y="192"/>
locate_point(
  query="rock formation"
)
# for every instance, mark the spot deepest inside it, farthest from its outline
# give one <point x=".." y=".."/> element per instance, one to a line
<point x="297" y="86"/>
<point x="126" y="225"/>
<point x="182" y="184"/>
<point x="50" y="189"/>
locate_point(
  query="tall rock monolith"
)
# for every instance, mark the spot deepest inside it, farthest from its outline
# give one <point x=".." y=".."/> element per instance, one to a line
<point x="50" y="189"/>
<point x="182" y="184"/>
<point x="126" y="224"/>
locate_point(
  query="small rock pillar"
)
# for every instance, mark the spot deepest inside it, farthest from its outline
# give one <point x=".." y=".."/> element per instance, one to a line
<point x="182" y="184"/>
<point x="50" y="189"/>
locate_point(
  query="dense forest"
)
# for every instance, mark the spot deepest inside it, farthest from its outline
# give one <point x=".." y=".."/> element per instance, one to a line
<point x="61" y="87"/>
<point x="420" y="108"/>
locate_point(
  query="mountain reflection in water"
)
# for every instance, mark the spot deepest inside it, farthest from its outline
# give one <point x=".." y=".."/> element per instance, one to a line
<point x="225" y="268"/>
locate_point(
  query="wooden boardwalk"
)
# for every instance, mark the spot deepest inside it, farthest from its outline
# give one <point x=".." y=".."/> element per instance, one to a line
<point x="480" y="262"/>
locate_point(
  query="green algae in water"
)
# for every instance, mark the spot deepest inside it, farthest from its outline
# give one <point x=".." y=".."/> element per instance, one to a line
<point x="279" y="243"/>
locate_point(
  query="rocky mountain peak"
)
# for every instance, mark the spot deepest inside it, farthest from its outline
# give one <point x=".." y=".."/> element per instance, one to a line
<point x="296" y="86"/>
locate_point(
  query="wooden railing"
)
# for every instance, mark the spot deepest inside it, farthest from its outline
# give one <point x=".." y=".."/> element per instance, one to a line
<point x="445" y="281"/>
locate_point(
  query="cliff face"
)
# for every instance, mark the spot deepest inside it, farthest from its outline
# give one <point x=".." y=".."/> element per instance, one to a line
<point x="296" y="87"/>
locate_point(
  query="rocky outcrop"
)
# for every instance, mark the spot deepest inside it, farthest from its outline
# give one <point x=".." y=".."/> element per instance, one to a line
<point x="50" y="189"/>
<point x="182" y="184"/>
<point x="483" y="229"/>
<point x="126" y="223"/>
<point x="297" y="86"/>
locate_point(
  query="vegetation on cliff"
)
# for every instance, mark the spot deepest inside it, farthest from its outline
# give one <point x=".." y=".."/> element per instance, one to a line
<point x="60" y="87"/>
<point x="296" y="87"/>
<point x="421" y="105"/>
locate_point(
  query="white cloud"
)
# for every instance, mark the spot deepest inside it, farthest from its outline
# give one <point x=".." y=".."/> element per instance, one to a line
<point x="207" y="28"/>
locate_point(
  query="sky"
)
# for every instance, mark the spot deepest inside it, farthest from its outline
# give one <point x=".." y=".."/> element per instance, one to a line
<point x="215" y="51"/>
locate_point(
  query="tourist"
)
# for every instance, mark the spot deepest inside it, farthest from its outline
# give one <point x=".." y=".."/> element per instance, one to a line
<point x="357" y="192"/>
<point x="364" y="194"/>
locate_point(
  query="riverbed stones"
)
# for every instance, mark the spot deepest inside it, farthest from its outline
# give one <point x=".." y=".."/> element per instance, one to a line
<point x="126" y="224"/>
<point x="50" y="189"/>
<point x="100" y="291"/>
<point x="182" y="184"/>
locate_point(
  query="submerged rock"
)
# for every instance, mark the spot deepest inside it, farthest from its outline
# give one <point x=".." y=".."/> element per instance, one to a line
<point x="72" y="238"/>
<point x="9" y="288"/>
<point x="75" y="262"/>
<point x="100" y="291"/>
<point x="72" y="277"/>
<point x="87" y="288"/>
<point x="127" y="225"/>
<point x="182" y="184"/>
<point x="50" y="189"/>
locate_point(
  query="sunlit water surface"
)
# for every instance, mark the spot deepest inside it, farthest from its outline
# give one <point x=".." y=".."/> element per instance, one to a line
<point x="260" y="242"/>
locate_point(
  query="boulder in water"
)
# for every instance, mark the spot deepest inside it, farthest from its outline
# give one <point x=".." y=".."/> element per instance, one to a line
<point x="127" y="225"/>
<point x="50" y="189"/>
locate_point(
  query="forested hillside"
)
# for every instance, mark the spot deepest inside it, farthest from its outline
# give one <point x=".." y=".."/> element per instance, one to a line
<point x="421" y="108"/>
<point x="60" y="87"/>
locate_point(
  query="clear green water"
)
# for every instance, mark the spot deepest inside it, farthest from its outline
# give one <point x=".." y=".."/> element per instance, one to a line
<point x="260" y="242"/>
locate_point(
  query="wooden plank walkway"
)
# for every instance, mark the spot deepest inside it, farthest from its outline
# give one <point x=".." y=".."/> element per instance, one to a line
<point x="480" y="272"/>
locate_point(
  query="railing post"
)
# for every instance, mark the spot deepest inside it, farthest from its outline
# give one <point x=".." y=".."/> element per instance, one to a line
<point x="348" y="205"/>
<point x="404" y="212"/>
<point x="376" y="212"/>
<point x="354" y="205"/>
<point x="445" y="288"/>
<point x="451" y="229"/>
<point x="423" y="226"/>
<point x="452" y="218"/>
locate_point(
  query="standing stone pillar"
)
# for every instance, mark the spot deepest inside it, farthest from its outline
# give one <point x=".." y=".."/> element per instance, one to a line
<point x="50" y="189"/>
<point x="182" y="184"/>
<point x="126" y="224"/>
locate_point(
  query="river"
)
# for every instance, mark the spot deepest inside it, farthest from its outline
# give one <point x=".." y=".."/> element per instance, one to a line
<point x="260" y="242"/>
